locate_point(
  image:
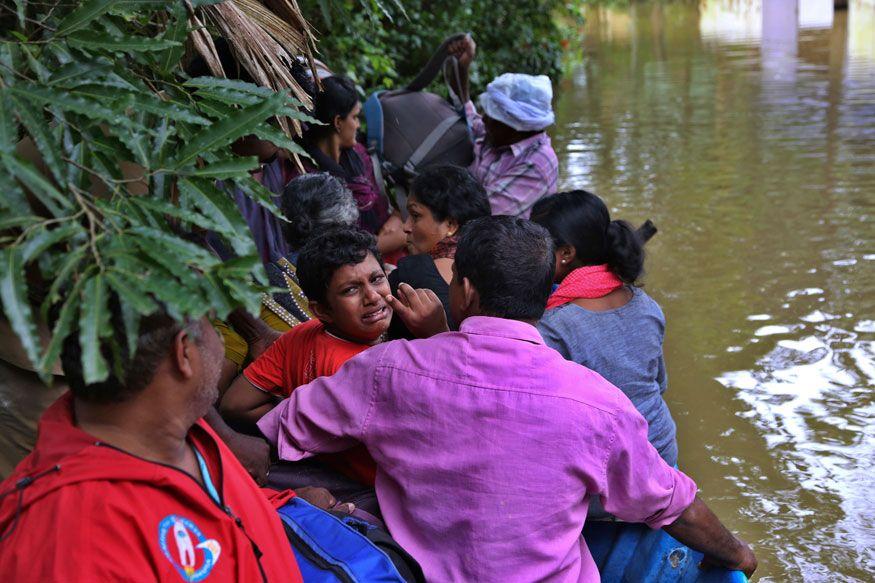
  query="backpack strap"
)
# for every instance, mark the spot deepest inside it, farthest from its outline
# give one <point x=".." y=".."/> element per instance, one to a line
<point x="429" y="143"/>
<point x="373" y="111"/>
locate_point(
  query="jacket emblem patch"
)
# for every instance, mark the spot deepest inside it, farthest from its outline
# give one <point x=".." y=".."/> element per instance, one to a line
<point x="185" y="546"/>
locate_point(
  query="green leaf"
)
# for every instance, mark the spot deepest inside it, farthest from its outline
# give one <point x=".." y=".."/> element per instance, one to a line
<point x="188" y="216"/>
<point x="218" y="296"/>
<point x="279" y="139"/>
<point x="71" y="262"/>
<point x="226" y="131"/>
<point x="82" y="16"/>
<point x="164" y="109"/>
<point x="42" y="137"/>
<point x="33" y="179"/>
<point x="71" y="101"/>
<point x="135" y="298"/>
<point x="8" y="130"/>
<point x="19" y="11"/>
<point x="94" y="324"/>
<point x="36" y="65"/>
<point x="237" y="167"/>
<point x="78" y="72"/>
<point x="18" y="222"/>
<point x="61" y="330"/>
<point x="131" y="319"/>
<point x="257" y="192"/>
<point x="13" y="293"/>
<point x="178" y="31"/>
<point x="92" y="40"/>
<point x="180" y="252"/>
<point x="45" y="238"/>
<point x="218" y="206"/>
<point x="229" y="85"/>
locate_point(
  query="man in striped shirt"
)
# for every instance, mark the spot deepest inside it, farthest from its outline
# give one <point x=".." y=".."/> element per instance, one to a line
<point x="513" y="157"/>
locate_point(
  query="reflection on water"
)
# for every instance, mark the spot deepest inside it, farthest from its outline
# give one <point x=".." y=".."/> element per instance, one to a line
<point x="746" y="131"/>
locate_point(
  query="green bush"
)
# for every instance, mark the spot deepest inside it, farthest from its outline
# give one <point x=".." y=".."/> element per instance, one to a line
<point x="132" y="150"/>
<point x="383" y="48"/>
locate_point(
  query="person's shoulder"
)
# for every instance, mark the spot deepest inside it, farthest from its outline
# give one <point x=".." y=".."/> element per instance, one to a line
<point x="562" y="319"/>
<point x="304" y="330"/>
<point x="413" y="261"/>
<point x="646" y="306"/>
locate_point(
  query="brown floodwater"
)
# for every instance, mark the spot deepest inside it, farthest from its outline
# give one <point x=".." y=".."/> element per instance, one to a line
<point x="746" y="131"/>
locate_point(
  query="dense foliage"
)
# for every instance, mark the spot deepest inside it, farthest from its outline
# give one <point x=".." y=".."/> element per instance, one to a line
<point x="387" y="46"/>
<point x="125" y="151"/>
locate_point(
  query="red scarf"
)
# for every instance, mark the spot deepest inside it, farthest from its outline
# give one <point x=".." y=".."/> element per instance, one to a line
<point x="591" y="281"/>
<point x="445" y="248"/>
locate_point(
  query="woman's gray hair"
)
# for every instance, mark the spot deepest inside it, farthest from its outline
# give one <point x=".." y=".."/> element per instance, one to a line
<point x="314" y="201"/>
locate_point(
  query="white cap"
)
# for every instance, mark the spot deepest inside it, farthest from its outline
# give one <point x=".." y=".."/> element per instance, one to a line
<point x="524" y="102"/>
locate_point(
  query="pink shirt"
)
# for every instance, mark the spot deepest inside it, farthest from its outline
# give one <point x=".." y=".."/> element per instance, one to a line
<point x="488" y="447"/>
<point x="517" y="176"/>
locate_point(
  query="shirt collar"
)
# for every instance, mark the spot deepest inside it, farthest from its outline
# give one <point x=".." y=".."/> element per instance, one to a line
<point x="523" y="145"/>
<point x="502" y="328"/>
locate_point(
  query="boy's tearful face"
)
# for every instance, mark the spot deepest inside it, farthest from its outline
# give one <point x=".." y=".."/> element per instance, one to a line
<point x="357" y="308"/>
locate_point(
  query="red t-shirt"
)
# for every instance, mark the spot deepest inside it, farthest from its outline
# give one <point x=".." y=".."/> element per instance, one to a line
<point x="298" y="357"/>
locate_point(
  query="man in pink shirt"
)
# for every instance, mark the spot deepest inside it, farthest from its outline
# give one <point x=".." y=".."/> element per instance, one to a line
<point x="513" y="158"/>
<point x="489" y="444"/>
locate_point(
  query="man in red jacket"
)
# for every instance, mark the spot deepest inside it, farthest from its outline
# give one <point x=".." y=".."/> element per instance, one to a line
<point x="127" y="482"/>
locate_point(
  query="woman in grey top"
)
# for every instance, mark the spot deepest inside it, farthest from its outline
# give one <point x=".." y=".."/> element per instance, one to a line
<point x="597" y="316"/>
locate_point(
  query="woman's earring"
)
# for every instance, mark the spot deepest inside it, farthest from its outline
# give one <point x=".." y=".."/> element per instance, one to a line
<point x="564" y="261"/>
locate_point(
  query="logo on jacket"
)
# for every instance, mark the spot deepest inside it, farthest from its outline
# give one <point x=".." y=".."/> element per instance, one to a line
<point x="184" y="545"/>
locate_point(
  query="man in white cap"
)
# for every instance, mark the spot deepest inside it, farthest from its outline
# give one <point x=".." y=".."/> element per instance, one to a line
<point x="513" y="158"/>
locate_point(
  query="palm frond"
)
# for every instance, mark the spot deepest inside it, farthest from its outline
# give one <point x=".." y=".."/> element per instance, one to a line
<point x="264" y="40"/>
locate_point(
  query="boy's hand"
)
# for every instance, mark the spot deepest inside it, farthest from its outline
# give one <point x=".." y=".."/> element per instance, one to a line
<point x="420" y="310"/>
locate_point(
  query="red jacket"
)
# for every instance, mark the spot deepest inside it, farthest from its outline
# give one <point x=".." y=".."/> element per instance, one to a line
<point x="96" y="513"/>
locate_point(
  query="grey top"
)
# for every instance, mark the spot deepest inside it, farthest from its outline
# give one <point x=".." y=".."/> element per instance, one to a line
<point x="624" y="345"/>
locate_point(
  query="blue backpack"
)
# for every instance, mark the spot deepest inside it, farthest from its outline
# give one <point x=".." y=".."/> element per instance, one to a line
<point x="340" y="548"/>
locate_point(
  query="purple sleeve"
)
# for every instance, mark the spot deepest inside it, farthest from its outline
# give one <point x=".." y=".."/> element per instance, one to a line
<point x="327" y="415"/>
<point x="639" y="486"/>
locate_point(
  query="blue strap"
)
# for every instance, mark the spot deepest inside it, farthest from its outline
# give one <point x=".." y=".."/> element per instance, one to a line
<point x="205" y="475"/>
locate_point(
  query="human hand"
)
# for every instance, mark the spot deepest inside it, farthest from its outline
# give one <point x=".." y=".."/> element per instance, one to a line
<point x="262" y="342"/>
<point x="464" y="50"/>
<point x="322" y="498"/>
<point x="253" y="454"/>
<point x="746" y="563"/>
<point x="420" y="310"/>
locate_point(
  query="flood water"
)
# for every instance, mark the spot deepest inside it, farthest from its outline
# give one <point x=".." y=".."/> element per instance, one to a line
<point x="747" y="133"/>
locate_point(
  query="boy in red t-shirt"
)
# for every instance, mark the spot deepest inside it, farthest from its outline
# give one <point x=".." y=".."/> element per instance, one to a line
<point x="341" y="273"/>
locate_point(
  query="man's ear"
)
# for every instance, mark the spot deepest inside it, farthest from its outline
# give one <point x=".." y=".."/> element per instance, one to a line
<point x="183" y="353"/>
<point x="470" y="298"/>
<point x="321" y="311"/>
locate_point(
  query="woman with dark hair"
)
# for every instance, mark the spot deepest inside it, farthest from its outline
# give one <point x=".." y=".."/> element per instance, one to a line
<point x="442" y="199"/>
<point x="598" y="316"/>
<point x="334" y="149"/>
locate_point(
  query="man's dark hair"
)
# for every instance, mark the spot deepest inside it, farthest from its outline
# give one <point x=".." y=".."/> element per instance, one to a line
<point x="328" y="251"/>
<point x="337" y="97"/>
<point x="128" y="375"/>
<point x="510" y="263"/>
<point x="450" y="192"/>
